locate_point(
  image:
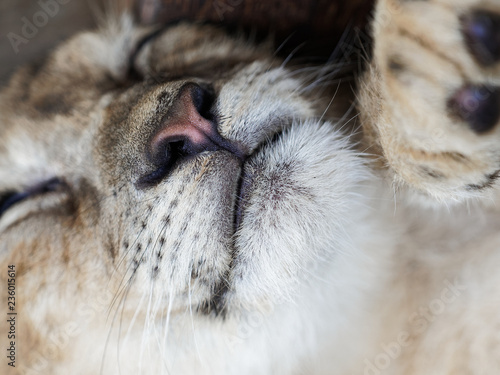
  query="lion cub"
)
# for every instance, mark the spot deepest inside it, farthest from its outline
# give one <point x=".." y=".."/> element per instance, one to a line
<point x="179" y="201"/>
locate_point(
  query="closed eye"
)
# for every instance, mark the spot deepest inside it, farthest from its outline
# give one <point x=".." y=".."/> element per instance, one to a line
<point x="133" y="73"/>
<point x="11" y="198"/>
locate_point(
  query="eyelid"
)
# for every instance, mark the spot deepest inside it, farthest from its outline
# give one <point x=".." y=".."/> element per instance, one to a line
<point x="11" y="199"/>
<point x="138" y="48"/>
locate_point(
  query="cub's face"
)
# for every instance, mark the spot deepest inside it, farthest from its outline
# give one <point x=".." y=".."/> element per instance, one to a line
<point x="167" y="172"/>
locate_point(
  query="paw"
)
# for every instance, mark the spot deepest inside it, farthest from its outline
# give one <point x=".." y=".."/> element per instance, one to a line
<point x="430" y="101"/>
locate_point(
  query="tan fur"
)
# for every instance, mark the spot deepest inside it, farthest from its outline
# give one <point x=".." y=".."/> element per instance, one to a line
<point x="343" y="263"/>
<point x="424" y="146"/>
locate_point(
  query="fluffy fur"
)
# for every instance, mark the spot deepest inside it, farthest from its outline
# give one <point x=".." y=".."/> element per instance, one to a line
<point x="306" y="258"/>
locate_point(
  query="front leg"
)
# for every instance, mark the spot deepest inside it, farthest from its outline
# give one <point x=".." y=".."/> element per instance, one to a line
<point x="430" y="100"/>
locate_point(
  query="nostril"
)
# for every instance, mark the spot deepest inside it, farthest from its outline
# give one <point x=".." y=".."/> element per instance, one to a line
<point x="203" y="100"/>
<point x="164" y="157"/>
<point x="166" y="153"/>
<point x="188" y="129"/>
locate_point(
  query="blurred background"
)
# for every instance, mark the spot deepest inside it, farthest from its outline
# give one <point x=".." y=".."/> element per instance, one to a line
<point x="30" y="28"/>
<point x="70" y="17"/>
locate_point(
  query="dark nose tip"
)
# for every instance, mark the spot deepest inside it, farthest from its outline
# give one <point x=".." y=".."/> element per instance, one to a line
<point x="188" y="129"/>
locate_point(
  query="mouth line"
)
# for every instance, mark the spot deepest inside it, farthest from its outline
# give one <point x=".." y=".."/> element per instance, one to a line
<point x="217" y="304"/>
<point x="246" y="180"/>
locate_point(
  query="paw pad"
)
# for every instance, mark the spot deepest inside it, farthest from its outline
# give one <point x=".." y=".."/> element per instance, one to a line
<point x="479" y="106"/>
<point x="482" y="33"/>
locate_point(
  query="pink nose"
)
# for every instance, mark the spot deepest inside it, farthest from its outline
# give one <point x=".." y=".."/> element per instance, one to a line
<point x="185" y="131"/>
<point x="189" y="129"/>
